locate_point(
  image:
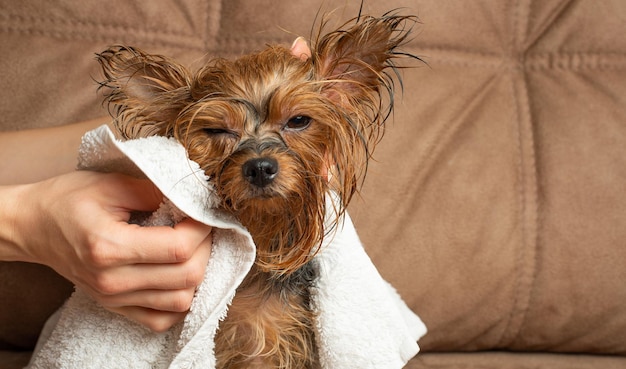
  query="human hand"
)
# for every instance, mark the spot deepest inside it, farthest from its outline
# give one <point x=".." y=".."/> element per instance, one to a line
<point x="77" y="224"/>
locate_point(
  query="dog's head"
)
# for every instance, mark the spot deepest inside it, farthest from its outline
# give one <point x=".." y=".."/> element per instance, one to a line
<point x="274" y="131"/>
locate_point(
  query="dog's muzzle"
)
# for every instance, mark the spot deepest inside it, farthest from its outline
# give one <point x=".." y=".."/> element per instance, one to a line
<point x="260" y="172"/>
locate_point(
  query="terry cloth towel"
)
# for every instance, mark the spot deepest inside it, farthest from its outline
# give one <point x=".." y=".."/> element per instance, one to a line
<point x="363" y="323"/>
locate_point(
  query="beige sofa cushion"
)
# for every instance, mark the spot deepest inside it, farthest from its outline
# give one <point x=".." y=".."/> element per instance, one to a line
<point x="497" y="205"/>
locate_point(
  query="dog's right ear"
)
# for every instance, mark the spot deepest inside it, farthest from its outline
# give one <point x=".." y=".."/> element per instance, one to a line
<point x="145" y="92"/>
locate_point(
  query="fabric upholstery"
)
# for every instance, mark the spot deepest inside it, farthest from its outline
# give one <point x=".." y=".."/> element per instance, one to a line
<point x="508" y="209"/>
<point x="496" y="202"/>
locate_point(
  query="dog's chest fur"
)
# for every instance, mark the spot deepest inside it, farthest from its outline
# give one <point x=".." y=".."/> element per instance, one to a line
<point x="270" y="323"/>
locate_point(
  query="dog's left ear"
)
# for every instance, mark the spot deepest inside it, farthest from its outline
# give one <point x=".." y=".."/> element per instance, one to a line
<point x="146" y="91"/>
<point x="356" y="56"/>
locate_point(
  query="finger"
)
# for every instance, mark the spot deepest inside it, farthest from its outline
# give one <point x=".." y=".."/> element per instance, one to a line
<point x="157" y="245"/>
<point x="157" y="321"/>
<point x="160" y="276"/>
<point x="175" y="301"/>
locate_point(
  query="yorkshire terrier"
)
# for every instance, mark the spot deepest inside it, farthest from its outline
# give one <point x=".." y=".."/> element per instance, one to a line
<point x="275" y="133"/>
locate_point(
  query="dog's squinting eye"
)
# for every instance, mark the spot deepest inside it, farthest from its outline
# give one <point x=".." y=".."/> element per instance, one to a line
<point x="298" y="123"/>
<point x="217" y="131"/>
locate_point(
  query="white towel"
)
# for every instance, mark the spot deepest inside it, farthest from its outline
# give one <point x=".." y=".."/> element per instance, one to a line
<point x="363" y="323"/>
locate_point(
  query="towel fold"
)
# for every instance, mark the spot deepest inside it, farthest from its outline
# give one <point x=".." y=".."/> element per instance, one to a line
<point x="363" y="323"/>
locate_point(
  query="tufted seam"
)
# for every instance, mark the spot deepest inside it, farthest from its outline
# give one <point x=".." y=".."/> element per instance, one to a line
<point x="43" y="22"/>
<point x="576" y="61"/>
<point x="504" y="337"/>
<point x="212" y="23"/>
<point x="571" y="62"/>
<point x="93" y="31"/>
<point x="527" y="259"/>
<point x="532" y="62"/>
<point x="84" y="36"/>
<point x="526" y="255"/>
<point x="544" y="28"/>
<point x="453" y="56"/>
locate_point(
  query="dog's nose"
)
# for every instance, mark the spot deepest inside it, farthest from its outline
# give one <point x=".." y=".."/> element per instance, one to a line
<point x="261" y="171"/>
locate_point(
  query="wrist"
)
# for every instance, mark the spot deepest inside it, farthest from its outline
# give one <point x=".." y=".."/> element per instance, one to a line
<point x="14" y="213"/>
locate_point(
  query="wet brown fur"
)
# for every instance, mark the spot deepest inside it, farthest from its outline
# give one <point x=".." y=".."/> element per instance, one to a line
<point x="232" y="111"/>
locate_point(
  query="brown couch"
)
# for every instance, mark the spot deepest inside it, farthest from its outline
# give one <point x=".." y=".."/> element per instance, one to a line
<point x="497" y="204"/>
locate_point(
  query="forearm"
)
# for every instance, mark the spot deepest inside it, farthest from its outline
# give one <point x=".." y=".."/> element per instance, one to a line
<point x="33" y="155"/>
